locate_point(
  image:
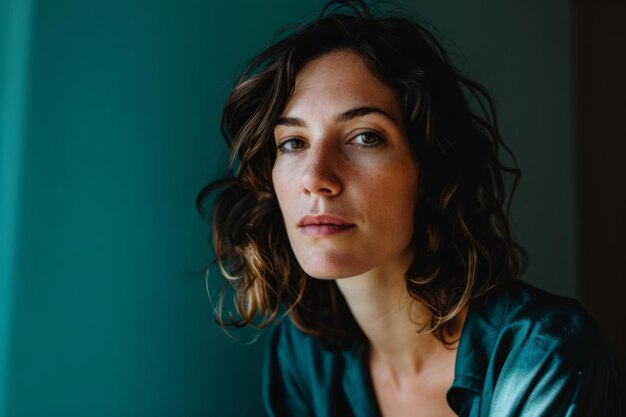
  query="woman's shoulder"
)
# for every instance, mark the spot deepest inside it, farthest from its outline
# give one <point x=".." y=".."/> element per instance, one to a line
<point x="287" y="339"/>
<point x="287" y="336"/>
<point x="527" y="321"/>
<point x="519" y="320"/>
<point x="301" y="376"/>
<point x="523" y="305"/>
<point x="531" y="352"/>
<point x="300" y="353"/>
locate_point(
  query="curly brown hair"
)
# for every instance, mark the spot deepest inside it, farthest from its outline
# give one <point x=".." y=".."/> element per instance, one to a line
<point x="462" y="237"/>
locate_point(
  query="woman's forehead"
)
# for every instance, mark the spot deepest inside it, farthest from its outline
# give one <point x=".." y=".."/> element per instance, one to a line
<point x="338" y="81"/>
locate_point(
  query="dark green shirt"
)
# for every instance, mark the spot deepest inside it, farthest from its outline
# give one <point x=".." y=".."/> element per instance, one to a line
<point x="522" y="352"/>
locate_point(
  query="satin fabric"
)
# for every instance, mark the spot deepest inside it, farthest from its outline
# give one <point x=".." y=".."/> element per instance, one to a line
<point x="522" y="352"/>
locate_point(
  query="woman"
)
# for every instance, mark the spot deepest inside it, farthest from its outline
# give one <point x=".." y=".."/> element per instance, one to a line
<point x="368" y="202"/>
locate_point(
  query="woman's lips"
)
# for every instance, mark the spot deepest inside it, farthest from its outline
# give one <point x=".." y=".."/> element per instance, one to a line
<point x="325" y="229"/>
<point x="323" y="225"/>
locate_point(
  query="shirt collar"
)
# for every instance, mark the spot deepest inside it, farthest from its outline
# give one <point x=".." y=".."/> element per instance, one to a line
<point x="477" y="342"/>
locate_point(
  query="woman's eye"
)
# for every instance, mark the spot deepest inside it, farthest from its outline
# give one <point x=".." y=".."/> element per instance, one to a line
<point x="367" y="140"/>
<point x="290" y="145"/>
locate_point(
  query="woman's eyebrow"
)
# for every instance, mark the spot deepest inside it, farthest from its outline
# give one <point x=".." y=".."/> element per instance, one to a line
<point x="361" y="111"/>
<point x="341" y="117"/>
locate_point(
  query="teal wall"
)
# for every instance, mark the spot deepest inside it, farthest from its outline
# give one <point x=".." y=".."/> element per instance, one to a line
<point x="109" y="121"/>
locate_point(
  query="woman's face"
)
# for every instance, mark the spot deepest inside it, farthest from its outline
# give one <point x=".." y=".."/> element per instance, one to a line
<point x="344" y="175"/>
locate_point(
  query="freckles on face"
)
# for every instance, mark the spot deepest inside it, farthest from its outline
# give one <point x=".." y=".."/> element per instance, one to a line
<point x="344" y="175"/>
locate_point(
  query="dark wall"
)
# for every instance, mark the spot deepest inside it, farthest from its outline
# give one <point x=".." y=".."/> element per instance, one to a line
<point x="601" y="110"/>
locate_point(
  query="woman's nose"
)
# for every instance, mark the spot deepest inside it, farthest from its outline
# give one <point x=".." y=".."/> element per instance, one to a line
<point x="320" y="174"/>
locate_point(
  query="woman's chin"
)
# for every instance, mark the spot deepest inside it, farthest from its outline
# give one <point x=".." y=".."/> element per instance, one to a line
<point x="332" y="270"/>
<point x="328" y="275"/>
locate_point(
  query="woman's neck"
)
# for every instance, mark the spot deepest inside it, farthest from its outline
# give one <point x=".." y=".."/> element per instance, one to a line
<point x="391" y="319"/>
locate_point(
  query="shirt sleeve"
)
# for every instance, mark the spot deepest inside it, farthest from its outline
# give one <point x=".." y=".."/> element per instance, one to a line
<point x="284" y="389"/>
